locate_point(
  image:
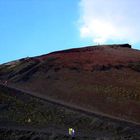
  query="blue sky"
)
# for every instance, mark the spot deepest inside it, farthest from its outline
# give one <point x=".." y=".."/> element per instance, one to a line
<point x="35" y="27"/>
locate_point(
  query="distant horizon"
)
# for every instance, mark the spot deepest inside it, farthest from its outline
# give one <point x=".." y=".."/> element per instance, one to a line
<point x="69" y="49"/>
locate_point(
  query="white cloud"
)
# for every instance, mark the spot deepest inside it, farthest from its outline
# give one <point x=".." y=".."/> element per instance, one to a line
<point x="110" y="20"/>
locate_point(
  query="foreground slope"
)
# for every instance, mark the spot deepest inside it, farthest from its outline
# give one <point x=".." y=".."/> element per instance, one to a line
<point x="23" y="117"/>
<point x="104" y="79"/>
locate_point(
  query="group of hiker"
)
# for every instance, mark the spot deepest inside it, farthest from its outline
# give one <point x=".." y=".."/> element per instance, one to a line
<point x="71" y="132"/>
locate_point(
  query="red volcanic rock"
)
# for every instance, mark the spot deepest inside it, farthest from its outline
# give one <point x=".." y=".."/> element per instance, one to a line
<point x="98" y="57"/>
<point x="103" y="78"/>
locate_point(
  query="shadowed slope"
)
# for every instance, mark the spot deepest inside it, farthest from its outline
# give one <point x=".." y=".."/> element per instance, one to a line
<point x="23" y="116"/>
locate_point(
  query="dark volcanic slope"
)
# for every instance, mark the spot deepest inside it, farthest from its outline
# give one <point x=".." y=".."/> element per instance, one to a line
<point x="50" y="121"/>
<point x="105" y="79"/>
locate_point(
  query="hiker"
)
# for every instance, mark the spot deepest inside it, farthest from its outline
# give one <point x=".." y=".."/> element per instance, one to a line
<point x="71" y="132"/>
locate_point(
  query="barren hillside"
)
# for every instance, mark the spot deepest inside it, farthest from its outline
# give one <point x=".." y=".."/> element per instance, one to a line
<point x="104" y="79"/>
